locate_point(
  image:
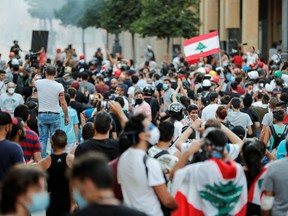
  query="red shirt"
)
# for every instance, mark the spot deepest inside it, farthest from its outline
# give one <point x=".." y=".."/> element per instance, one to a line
<point x="240" y="90"/>
<point x="238" y="61"/>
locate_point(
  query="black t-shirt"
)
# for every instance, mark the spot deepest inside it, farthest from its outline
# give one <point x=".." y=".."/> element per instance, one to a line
<point x="108" y="210"/>
<point x="80" y="97"/>
<point x="233" y="94"/>
<point x="78" y="107"/>
<point x="109" y="147"/>
<point x="154" y="107"/>
<point x="27" y="92"/>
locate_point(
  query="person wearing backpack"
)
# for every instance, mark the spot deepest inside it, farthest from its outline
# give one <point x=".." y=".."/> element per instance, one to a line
<point x="276" y="132"/>
<point x="282" y="150"/>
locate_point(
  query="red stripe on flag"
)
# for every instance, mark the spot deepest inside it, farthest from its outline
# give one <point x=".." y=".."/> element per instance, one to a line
<point x="200" y="38"/>
<point x="243" y="211"/>
<point x="184" y="207"/>
<point x="193" y="61"/>
<point x="252" y="187"/>
<point x="203" y="54"/>
<point x="228" y="169"/>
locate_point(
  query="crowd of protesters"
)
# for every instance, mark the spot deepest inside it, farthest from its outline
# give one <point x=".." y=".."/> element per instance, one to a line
<point x="85" y="136"/>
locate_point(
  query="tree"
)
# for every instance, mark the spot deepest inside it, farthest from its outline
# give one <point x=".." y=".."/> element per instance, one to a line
<point x="118" y="16"/>
<point x="81" y="14"/>
<point x="168" y="19"/>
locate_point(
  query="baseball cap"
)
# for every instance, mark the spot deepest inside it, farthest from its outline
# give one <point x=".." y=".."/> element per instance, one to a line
<point x="213" y="73"/>
<point x="131" y="72"/>
<point x="15" y="62"/>
<point x="239" y="131"/>
<point x="268" y="87"/>
<point x="201" y="70"/>
<point x="206" y="83"/>
<point x="5" y="118"/>
<point x="278" y="74"/>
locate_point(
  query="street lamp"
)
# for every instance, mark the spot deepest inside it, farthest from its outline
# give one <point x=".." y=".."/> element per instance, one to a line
<point x="116" y="46"/>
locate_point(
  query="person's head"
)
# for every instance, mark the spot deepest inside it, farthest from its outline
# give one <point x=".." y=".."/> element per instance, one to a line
<point x="166" y="129"/>
<point x="23" y="187"/>
<point x="2" y="74"/>
<point x="90" y="175"/>
<point x="167" y="82"/>
<point x="221" y="113"/>
<point x="75" y="84"/>
<point x="234" y="85"/>
<point x="139" y="97"/>
<point x="252" y="49"/>
<point x="213" y="97"/>
<point x="51" y="70"/>
<point x="5" y="123"/>
<point x="84" y="76"/>
<point x="278" y="116"/>
<point x="236" y="103"/>
<point x="120" y="100"/>
<point x="193" y="111"/>
<point x="72" y="92"/>
<point x="18" y="131"/>
<point x="253" y="152"/>
<point x="59" y="139"/>
<point x="102" y="123"/>
<point x="138" y="130"/>
<point x="67" y="98"/>
<point x="279" y="82"/>
<point x="206" y="85"/>
<point x="11" y="88"/>
<point x="176" y="111"/>
<point x="120" y="90"/>
<point x="215" y="141"/>
<point x="212" y="122"/>
<point x="22" y="111"/>
<point x="239" y="131"/>
<point x="88" y="131"/>
<point x="247" y="100"/>
<point x="113" y="83"/>
<point x="281" y="105"/>
<point x="134" y="79"/>
<point x="272" y="103"/>
<point x="265" y="99"/>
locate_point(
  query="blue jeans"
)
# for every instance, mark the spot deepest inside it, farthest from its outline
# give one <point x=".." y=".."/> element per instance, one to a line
<point x="47" y="125"/>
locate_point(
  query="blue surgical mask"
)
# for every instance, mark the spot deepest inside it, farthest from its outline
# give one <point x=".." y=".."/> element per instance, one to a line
<point x="40" y="202"/>
<point x="81" y="202"/>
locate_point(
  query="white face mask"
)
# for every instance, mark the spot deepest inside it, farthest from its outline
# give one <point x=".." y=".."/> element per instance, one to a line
<point x="154" y="134"/>
<point x="11" y="90"/>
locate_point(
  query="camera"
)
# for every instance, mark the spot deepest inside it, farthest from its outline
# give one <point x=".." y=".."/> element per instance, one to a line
<point x="33" y="59"/>
<point x="105" y="105"/>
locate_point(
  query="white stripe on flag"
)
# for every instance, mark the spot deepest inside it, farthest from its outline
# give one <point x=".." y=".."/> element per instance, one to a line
<point x="210" y="43"/>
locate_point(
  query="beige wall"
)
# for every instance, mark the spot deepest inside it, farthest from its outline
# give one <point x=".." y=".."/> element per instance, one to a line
<point x="250" y="22"/>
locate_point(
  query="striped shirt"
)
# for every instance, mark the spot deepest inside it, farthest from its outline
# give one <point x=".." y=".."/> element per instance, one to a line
<point x="30" y="145"/>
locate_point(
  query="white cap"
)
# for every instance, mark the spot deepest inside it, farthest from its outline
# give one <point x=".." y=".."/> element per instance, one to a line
<point x="15" y="61"/>
<point x="201" y="70"/>
<point x="253" y="74"/>
<point x="268" y="87"/>
<point x="206" y="83"/>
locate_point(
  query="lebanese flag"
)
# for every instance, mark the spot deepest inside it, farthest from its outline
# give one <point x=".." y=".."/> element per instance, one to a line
<point x="213" y="187"/>
<point x="255" y="191"/>
<point x="201" y="46"/>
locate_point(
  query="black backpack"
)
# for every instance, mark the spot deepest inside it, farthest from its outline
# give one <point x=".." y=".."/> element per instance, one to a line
<point x="205" y="98"/>
<point x="277" y="137"/>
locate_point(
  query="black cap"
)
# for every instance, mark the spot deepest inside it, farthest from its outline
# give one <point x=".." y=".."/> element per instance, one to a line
<point x="5" y="118"/>
<point x="239" y="131"/>
<point x="2" y="71"/>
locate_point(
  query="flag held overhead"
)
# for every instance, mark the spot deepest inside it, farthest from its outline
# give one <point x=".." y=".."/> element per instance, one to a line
<point x="201" y="46"/>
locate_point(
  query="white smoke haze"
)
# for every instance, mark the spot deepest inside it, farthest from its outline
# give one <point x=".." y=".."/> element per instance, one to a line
<point x="17" y="24"/>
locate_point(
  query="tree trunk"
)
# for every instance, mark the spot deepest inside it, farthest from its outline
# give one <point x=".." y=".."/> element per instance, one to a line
<point x="83" y="41"/>
<point x="133" y="46"/>
<point x="168" y="48"/>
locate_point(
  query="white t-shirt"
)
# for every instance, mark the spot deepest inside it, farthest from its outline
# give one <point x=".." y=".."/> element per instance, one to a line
<point x="209" y="112"/>
<point x="10" y="102"/>
<point x="233" y="150"/>
<point x="131" y="91"/>
<point x="251" y="58"/>
<point x="137" y="189"/>
<point x="48" y="95"/>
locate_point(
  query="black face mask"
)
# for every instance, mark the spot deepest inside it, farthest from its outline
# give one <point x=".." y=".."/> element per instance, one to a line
<point x="138" y="101"/>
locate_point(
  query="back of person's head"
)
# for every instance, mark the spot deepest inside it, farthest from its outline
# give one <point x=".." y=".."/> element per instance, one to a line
<point x="134" y="79"/>
<point x="239" y="131"/>
<point x="72" y="92"/>
<point x="75" y="84"/>
<point x="238" y="80"/>
<point x="216" y="140"/>
<point x="253" y="153"/>
<point x="130" y="135"/>
<point x="265" y="99"/>
<point x="120" y="100"/>
<point x="281" y="105"/>
<point x="59" y="139"/>
<point x="102" y="122"/>
<point x="67" y="98"/>
<point x="22" y="111"/>
<point x="166" y="131"/>
<point x="279" y="82"/>
<point x="236" y="103"/>
<point x="259" y="96"/>
<point x="94" y="167"/>
<point x="212" y="123"/>
<point x="51" y="70"/>
<point x="213" y="96"/>
<point x="88" y="131"/>
<point x="234" y="85"/>
<point x="15" y="184"/>
<point x="16" y="126"/>
<point x="221" y="112"/>
<point x="247" y="100"/>
<point x="278" y="116"/>
<point x="84" y="76"/>
<point x="284" y="97"/>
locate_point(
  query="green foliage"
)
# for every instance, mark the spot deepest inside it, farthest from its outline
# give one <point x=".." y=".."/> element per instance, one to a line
<point x="168" y="18"/>
<point x="118" y="15"/>
<point x="82" y="14"/>
<point x="223" y="196"/>
<point x="43" y="9"/>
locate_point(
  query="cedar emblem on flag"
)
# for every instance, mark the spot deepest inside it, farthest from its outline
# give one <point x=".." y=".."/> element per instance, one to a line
<point x="201" y="46"/>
